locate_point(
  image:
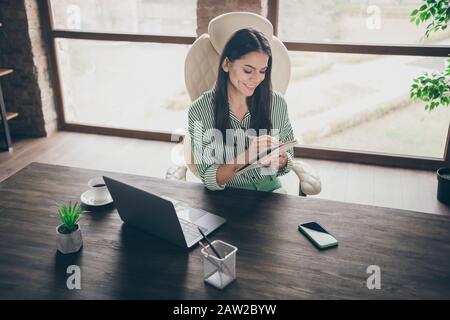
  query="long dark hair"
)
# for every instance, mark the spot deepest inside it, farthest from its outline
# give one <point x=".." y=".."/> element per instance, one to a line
<point x="242" y="42"/>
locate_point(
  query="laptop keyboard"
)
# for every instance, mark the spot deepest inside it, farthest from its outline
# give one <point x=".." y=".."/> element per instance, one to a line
<point x="190" y="229"/>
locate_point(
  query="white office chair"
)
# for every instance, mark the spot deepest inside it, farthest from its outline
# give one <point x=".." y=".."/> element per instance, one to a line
<point x="200" y="73"/>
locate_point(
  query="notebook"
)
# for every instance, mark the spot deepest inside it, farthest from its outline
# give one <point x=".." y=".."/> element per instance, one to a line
<point x="256" y="162"/>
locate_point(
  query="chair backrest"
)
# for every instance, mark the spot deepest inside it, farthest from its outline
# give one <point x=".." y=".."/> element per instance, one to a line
<point x="202" y="60"/>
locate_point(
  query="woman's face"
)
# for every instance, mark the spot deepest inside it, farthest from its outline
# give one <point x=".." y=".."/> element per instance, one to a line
<point x="246" y="73"/>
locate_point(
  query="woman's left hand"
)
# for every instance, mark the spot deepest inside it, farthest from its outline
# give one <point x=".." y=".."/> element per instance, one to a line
<point x="276" y="159"/>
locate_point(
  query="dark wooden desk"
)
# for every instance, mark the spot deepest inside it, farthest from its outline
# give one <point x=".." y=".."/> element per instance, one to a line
<point x="274" y="260"/>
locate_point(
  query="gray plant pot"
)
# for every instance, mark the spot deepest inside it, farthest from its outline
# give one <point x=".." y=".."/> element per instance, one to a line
<point x="69" y="243"/>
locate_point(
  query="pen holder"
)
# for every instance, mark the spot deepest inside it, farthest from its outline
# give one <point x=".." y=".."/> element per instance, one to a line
<point x="219" y="272"/>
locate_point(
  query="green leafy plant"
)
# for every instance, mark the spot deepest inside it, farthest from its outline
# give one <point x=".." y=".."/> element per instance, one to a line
<point x="434" y="88"/>
<point x="437" y="10"/>
<point x="69" y="215"/>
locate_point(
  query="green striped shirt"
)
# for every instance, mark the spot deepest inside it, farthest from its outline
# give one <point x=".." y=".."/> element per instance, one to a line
<point x="209" y="154"/>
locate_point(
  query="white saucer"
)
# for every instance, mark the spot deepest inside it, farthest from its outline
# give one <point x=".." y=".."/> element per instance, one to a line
<point x="88" y="199"/>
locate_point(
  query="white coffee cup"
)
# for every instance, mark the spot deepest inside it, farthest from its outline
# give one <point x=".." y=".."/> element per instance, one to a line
<point x="99" y="190"/>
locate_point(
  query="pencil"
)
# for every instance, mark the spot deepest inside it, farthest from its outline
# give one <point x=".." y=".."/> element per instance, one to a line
<point x="210" y="244"/>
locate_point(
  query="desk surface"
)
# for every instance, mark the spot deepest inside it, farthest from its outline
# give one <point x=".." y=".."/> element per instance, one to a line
<point x="274" y="260"/>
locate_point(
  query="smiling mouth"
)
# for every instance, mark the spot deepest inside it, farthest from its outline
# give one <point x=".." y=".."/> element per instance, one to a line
<point x="250" y="87"/>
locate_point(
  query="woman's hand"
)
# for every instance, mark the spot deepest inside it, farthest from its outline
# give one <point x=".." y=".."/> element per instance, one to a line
<point x="257" y="145"/>
<point x="275" y="159"/>
<point x="261" y="144"/>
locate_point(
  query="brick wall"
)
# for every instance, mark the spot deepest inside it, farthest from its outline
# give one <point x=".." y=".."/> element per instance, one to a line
<point x="28" y="90"/>
<point x="208" y="9"/>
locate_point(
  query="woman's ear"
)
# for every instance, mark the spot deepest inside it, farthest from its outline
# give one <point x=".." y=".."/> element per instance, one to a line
<point x="226" y="65"/>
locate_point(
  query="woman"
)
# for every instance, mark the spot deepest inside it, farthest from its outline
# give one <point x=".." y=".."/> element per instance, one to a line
<point x="241" y="99"/>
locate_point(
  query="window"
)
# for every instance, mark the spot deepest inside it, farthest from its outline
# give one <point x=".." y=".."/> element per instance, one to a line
<point x="125" y="85"/>
<point x="361" y="102"/>
<point x="354" y="21"/>
<point x="120" y="71"/>
<point x="161" y="17"/>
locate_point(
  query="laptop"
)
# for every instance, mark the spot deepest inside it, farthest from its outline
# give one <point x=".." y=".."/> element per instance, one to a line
<point x="161" y="216"/>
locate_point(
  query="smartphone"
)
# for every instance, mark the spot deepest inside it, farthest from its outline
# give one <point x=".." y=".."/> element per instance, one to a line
<point x="320" y="237"/>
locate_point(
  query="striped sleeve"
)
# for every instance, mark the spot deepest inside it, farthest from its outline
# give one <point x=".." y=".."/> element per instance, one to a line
<point x="203" y="151"/>
<point x="286" y="133"/>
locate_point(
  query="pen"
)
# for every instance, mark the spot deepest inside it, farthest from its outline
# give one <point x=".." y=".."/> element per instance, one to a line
<point x="210" y="244"/>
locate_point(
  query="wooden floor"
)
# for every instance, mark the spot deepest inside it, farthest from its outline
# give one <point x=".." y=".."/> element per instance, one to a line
<point x="348" y="182"/>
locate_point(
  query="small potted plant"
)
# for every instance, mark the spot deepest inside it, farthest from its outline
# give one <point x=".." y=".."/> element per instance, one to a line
<point x="68" y="234"/>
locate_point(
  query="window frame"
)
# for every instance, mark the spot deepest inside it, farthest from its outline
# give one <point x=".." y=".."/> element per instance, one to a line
<point x="314" y="152"/>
